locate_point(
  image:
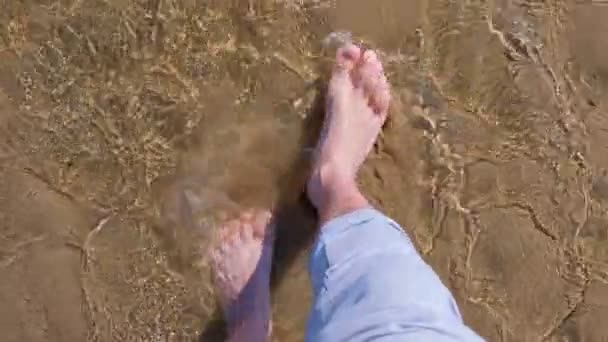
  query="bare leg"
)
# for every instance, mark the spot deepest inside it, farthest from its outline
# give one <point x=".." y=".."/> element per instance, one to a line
<point x="357" y="105"/>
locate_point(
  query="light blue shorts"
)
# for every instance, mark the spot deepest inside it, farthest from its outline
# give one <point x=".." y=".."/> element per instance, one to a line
<point x="370" y="284"/>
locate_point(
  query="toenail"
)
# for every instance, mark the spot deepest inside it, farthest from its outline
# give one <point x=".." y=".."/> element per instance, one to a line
<point x="349" y="51"/>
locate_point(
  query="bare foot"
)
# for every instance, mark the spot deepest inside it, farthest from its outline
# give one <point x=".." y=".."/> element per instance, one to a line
<point x="357" y="106"/>
<point x="241" y="263"/>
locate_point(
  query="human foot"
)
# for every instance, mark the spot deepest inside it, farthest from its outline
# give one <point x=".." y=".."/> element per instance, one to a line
<point x="241" y="263"/>
<point x="357" y="105"/>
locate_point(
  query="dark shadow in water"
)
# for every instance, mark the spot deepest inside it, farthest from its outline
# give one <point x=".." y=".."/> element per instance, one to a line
<point x="295" y="217"/>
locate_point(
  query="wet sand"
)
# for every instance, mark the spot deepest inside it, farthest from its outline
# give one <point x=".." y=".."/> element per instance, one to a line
<point x="127" y="128"/>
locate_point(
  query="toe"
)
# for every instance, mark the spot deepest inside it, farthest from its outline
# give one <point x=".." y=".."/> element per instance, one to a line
<point x="247" y="215"/>
<point x="371" y="78"/>
<point x="262" y="225"/>
<point x="246" y="231"/>
<point x="348" y="56"/>
<point x="371" y="57"/>
<point x="229" y="231"/>
<point x="368" y="72"/>
<point x="381" y="97"/>
<point x="223" y="232"/>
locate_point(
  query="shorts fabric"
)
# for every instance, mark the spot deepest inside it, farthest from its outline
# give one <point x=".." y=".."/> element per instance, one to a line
<point x="370" y="284"/>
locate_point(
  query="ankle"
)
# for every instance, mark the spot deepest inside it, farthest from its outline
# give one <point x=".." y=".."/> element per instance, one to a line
<point x="334" y="192"/>
<point x="325" y="181"/>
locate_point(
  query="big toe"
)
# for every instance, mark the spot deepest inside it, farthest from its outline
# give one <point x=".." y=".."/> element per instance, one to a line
<point x="371" y="78"/>
<point x="347" y="59"/>
<point x="348" y="56"/>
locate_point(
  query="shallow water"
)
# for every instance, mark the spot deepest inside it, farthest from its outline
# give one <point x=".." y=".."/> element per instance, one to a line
<point x="128" y="128"/>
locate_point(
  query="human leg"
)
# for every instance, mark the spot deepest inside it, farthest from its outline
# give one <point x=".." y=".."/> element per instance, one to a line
<point x="368" y="280"/>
